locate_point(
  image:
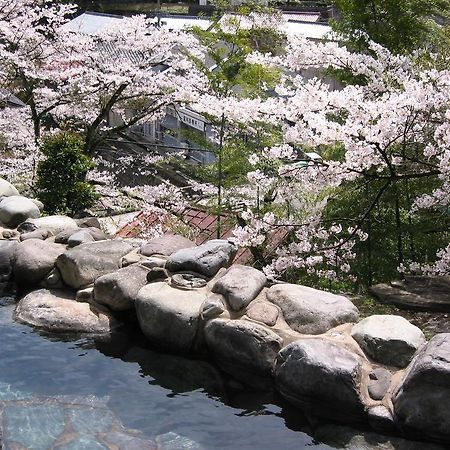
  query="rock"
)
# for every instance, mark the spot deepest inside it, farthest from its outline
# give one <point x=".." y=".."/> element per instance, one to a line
<point x="157" y="274"/>
<point x="7" y="258"/>
<point x="35" y="259"/>
<point x="16" y="209"/>
<point x="38" y="203"/>
<point x="10" y="234"/>
<point x="212" y="307"/>
<point x="53" y="280"/>
<point x="188" y="281"/>
<point x="83" y="264"/>
<point x="26" y="227"/>
<point x="166" y="245"/>
<point x="424" y="293"/>
<point x="56" y="311"/>
<point x="310" y="311"/>
<point x="133" y="257"/>
<point x="381" y="420"/>
<point x="379" y="382"/>
<point x="206" y="259"/>
<point x="421" y="402"/>
<point x="118" y="290"/>
<point x="79" y="237"/>
<point x="264" y="312"/>
<point x="85" y="295"/>
<point x="88" y="222"/>
<point x="322" y="377"/>
<point x="169" y="317"/>
<point x="388" y="339"/>
<point x="7" y="189"/>
<point x="240" y="285"/>
<point x="173" y="441"/>
<point x="154" y="262"/>
<point x="41" y="234"/>
<point x="55" y="224"/>
<point x="243" y="349"/>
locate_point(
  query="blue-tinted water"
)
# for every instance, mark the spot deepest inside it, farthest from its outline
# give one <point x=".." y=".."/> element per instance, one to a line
<point x="188" y="404"/>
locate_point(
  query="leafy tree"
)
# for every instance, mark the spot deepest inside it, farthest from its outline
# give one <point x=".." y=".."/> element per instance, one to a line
<point x="61" y="176"/>
<point x="399" y="26"/>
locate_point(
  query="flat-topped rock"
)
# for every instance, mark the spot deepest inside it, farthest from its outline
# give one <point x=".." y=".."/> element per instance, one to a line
<point x="240" y="285"/>
<point x="166" y="245"/>
<point x="118" y="290"/>
<point x="422" y="401"/>
<point x="83" y="264"/>
<point x="205" y="259"/>
<point x="423" y="293"/>
<point x="57" y="311"/>
<point x="321" y="376"/>
<point x="34" y="260"/>
<point x="55" y="224"/>
<point x="245" y="350"/>
<point x="311" y="311"/>
<point x="388" y="339"/>
<point x="169" y="317"/>
<point x="16" y="209"/>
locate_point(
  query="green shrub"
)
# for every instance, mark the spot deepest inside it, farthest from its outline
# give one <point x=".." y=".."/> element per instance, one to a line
<point x="61" y="176"/>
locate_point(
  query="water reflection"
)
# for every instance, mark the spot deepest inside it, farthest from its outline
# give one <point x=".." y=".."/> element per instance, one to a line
<point x="172" y="402"/>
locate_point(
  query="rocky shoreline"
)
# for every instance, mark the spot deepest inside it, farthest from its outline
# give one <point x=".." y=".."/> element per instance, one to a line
<point x="307" y="344"/>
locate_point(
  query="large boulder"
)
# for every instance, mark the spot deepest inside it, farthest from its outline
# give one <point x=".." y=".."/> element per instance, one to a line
<point x="240" y="285"/>
<point x="57" y="311"/>
<point x="55" y="224"/>
<point x="166" y="245"/>
<point x="321" y="376"/>
<point x="243" y="349"/>
<point x="7" y="258"/>
<point x="35" y="259"/>
<point x="205" y="259"/>
<point x="170" y="317"/>
<point x="7" y="189"/>
<point x="83" y="264"/>
<point x="17" y="209"/>
<point x="387" y="339"/>
<point x="310" y="311"/>
<point x="118" y="290"/>
<point x="424" y="293"/>
<point x="422" y="401"/>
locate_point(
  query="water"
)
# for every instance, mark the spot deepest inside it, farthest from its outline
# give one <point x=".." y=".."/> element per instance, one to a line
<point x="170" y="402"/>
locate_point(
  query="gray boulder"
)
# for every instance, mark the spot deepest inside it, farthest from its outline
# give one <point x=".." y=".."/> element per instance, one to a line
<point x="240" y="285"/>
<point x="35" y="259"/>
<point x="424" y="293"/>
<point x="422" y="401"/>
<point x="83" y="264"/>
<point x="166" y="245"/>
<point x="205" y="259"/>
<point x="55" y="224"/>
<point x="379" y="383"/>
<point x="16" y="209"/>
<point x="170" y="317"/>
<point x="79" y="237"/>
<point x="41" y="234"/>
<point x="310" y="311"/>
<point x="388" y="339"/>
<point x="7" y="258"/>
<point x="321" y="376"/>
<point x="264" y="312"/>
<point x="7" y="189"/>
<point x="56" y="311"/>
<point x="118" y="290"/>
<point x="212" y="307"/>
<point x="243" y="349"/>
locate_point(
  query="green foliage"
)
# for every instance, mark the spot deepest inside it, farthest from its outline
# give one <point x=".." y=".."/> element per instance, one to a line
<point x="400" y="26"/>
<point x="61" y="175"/>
